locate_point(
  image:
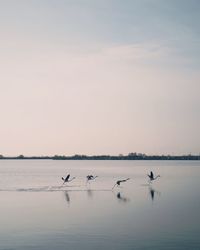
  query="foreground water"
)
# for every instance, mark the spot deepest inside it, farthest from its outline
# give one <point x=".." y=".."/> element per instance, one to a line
<point x="37" y="212"/>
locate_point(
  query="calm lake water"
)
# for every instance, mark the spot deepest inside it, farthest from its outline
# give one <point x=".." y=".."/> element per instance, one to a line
<point x="37" y="212"/>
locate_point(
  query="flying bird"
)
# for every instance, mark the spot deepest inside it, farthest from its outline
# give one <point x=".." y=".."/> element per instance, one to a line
<point x="119" y="182"/>
<point x="66" y="179"/>
<point x="90" y="177"/>
<point x="151" y="176"/>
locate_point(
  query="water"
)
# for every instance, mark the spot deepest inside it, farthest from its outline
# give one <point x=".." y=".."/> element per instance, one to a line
<point x="37" y="212"/>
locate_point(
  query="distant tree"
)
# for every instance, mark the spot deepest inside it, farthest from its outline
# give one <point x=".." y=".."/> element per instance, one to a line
<point x="20" y="157"/>
<point x="132" y="154"/>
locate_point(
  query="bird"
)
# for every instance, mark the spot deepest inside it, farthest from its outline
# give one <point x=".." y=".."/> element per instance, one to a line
<point x="151" y="176"/>
<point x="66" y="179"/>
<point x="90" y="177"/>
<point x="119" y="182"/>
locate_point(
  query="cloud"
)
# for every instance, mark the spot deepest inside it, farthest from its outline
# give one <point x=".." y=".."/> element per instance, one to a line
<point x="136" y="51"/>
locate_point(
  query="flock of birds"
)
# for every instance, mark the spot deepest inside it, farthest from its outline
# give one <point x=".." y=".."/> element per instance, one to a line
<point x="67" y="179"/>
<point x="119" y="196"/>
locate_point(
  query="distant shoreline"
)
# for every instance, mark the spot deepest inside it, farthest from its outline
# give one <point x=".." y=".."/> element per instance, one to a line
<point x="131" y="156"/>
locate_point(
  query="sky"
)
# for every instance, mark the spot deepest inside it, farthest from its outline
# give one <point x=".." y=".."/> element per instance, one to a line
<point x="99" y="77"/>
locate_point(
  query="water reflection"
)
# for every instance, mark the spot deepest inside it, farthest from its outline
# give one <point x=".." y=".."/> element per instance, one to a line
<point x="67" y="197"/>
<point x="122" y="198"/>
<point x="98" y="217"/>
<point x="153" y="192"/>
<point x="90" y="193"/>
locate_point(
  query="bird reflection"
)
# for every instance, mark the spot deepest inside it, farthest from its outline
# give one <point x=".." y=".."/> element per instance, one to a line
<point x="67" y="198"/>
<point x="152" y="193"/>
<point x="90" y="193"/>
<point x="122" y="198"/>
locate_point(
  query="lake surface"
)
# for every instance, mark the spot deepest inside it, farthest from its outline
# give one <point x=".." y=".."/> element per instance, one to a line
<point x="38" y="212"/>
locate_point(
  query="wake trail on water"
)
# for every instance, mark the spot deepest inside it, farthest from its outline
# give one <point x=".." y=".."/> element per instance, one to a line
<point x="50" y="189"/>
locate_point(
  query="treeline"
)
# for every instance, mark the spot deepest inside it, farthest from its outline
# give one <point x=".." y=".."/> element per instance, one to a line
<point x="22" y="157"/>
<point x="130" y="156"/>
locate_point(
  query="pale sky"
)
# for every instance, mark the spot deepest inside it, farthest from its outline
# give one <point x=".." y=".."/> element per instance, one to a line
<point x="99" y="77"/>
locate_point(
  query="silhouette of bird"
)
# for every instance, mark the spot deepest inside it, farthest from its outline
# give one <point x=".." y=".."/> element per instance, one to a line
<point x="66" y="179"/>
<point x="151" y="176"/>
<point x="119" y="182"/>
<point x="90" y="177"/>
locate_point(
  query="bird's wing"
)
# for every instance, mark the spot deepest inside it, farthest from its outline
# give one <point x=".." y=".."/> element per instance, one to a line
<point x="67" y="178"/>
<point x="123" y="180"/>
<point x="63" y="179"/>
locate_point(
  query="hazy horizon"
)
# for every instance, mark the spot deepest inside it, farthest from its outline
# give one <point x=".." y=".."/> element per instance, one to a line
<point x="99" y="77"/>
<point x="6" y="156"/>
